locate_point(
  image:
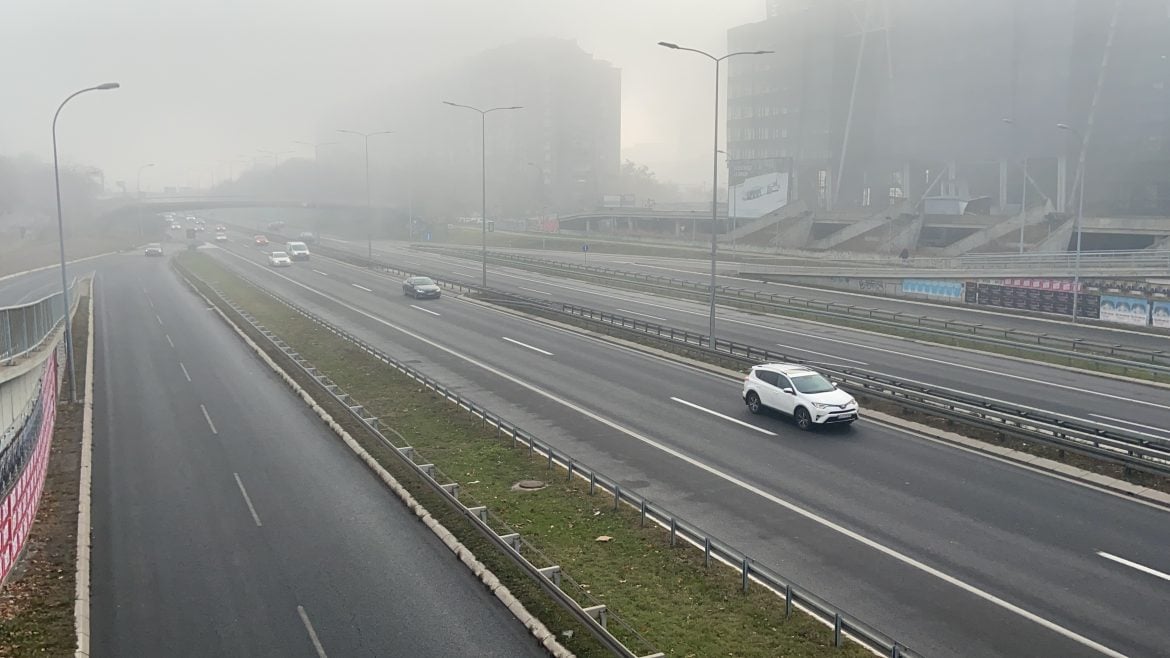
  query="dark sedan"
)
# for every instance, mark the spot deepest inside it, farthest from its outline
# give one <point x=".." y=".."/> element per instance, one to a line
<point x="421" y="287"/>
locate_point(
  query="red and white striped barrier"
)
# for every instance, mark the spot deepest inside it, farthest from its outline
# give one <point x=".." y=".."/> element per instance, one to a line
<point x="19" y="507"/>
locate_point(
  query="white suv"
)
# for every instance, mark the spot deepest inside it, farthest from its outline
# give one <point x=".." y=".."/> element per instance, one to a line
<point x="799" y="392"/>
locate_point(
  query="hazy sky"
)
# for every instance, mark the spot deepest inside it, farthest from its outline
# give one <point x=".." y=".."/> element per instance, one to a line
<point x="204" y="81"/>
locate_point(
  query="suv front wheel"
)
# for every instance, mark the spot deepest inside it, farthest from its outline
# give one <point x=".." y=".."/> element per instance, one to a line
<point x="803" y="419"/>
<point x="753" y="403"/>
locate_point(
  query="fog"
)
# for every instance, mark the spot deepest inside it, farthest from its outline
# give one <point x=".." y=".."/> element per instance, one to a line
<point x="207" y="82"/>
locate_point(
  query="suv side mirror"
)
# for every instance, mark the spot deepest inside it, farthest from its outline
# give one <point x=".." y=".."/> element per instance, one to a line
<point x="788" y="391"/>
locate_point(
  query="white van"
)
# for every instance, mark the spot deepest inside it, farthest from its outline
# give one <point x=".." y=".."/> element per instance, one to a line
<point x="297" y="250"/>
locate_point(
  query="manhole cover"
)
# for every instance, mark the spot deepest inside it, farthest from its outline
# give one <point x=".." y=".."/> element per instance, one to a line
<point x="528" y="485"/>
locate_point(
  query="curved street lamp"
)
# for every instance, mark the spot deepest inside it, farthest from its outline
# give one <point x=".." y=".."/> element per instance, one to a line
<point x="61" y="238"/>
<point x="369" y="206"/>
<point x="714" y="165"/>
<point x="483" y="172"/>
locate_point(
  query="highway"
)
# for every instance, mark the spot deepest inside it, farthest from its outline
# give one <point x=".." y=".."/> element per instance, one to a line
<point x="698" y="271"/>
<point x="952" y="552"/>
<point x="1085" y="397"/>
<point x="229" y="521"/>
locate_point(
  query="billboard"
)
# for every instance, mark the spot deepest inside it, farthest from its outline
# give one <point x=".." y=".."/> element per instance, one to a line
<point x="759" y="195"/>
<point x="948" y="290"/>
<point x="1053" y="299"/>
<point x="1161" y="315"/>
<point x="1125" y="310"/>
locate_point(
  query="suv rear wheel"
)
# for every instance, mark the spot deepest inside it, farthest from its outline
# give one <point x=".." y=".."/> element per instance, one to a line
<point x="753" y="403"/>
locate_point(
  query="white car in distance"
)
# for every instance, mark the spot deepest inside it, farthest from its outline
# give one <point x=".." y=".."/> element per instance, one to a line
<point x="279" y="259"/>
<point x="800" y="392"/>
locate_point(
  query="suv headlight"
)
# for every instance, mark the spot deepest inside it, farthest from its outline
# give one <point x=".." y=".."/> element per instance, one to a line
<point x="822" y="405"/>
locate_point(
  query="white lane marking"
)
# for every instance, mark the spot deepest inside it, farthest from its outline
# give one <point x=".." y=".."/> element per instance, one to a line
<point x="424" y="310"/>
<point x="172" y="343"/>
<point x="831" y="356"/>
<point x="1134" y="565"/>
<point x="534" y="349"/>
<point x="158" y="318"/>
<point x="361" y="287"/>
<point x="188" y="376"/>
<point x="727" y="477"/>
<point x="468" y="269"/>
<point x="149" y="300"/>
<point x="1130" y="422"/>
<point x="724" y="417"/>
<point x="248" y="500"/>
<point x="645" y="315"/>
<point x="1001" y="373"/>
<point x="312" y="633"/>
<point x="321" y="273"/>
<point x="543" y="292"/>
<point x="206" y="415"/>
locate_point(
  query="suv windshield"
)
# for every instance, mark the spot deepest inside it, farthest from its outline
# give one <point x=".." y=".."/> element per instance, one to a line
<point x="813" y="383"/>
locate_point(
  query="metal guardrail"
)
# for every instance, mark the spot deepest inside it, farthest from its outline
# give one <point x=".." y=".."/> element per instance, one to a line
<point x="679" y="529"/>
<point x="1123" y="357"/>
<point x="24" y="328"/>
<point x="1098" y="440"/>
<point x="1090" y="260"/>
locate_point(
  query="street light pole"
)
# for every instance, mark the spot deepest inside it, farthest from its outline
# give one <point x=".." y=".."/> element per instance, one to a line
<point x="714" y="168"/>
<point x="483" y="173"/>
<point x="61" y="240"/>
<point x="1080" y="219"/>
<point x="138" y="182"/>
<point x="369" y="205"/>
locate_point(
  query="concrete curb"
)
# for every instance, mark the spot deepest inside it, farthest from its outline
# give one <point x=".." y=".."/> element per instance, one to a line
<point x="545" y="637"/>
<point x="81" y="611"/>
<point x="1018" y="458"/>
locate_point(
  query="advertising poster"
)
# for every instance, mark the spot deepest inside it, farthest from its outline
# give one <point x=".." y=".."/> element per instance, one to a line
<point x="1051" y="299"/>
<point x="1125" y="310"/>
<point x="1161" y="315"/>
<point x="948" y="290"/>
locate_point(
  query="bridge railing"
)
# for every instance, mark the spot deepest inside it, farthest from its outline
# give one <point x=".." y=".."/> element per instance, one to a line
<point x="24" y="328"/>
<point x="1065" y="261"/>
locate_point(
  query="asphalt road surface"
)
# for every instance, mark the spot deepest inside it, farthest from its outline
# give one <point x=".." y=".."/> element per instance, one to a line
<point x="951" y="552"/>
<point x="228" y="521"/>
<point x="698" y="271"/>
<point x="1132" y="406"/>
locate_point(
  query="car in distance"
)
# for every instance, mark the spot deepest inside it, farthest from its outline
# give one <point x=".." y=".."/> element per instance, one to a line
<point x="220" y="228"/>
<point x="279" y="259"/>
<point x="260" y="240"/>
<point x="153" y="249"/>
<point x="297" y="250"/>
<point x="421" y="287"/>
<point x="175" y="226"/>
<point x="307" y="237"/>
<point x="221" y="236"/>
<point x="800" y="392"/>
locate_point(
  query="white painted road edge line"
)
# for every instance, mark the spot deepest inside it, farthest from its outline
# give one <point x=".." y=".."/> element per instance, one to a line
<point x="534" y="349"/>
<point x="321" y="273"/>
<point x="719" y="415"/>
<point x="158" y="318"/>
<point x="831" y="356"/>
<point x="188" y="376"/>
<point x="207" y="416"/>
<point x="49" y="267"/>
<point x="361" y="287"/>
<point x="1134" y="565"/>
<point x="546" y="637"/>
<point x="81" y="609"/>
<point x="248" y="500"/>
<point x="424" y="310"/>
<point x="645" y="315"/>
<point x="312" y="632"/>
<point x="1130" y="422"/>
<point x="766" y="495"/>
<point x="171" y="342"/>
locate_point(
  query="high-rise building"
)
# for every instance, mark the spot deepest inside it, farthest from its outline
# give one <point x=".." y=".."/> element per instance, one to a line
<point x="869" y="101"/>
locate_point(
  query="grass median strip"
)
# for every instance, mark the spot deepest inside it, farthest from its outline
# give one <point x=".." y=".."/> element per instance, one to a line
<point x="664" y="593"/>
